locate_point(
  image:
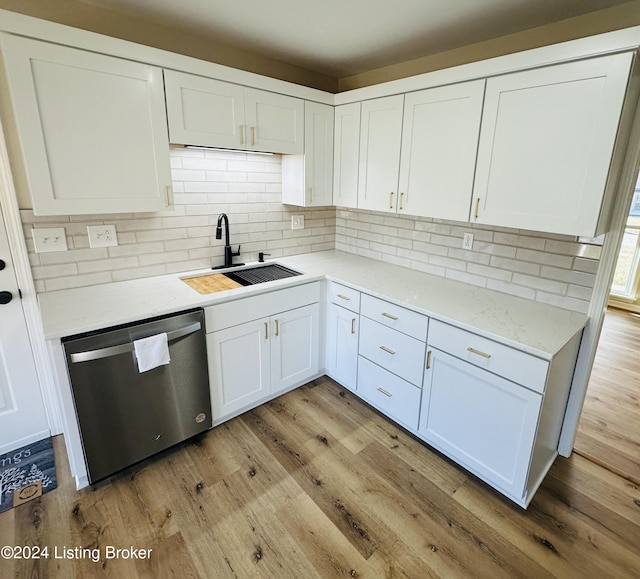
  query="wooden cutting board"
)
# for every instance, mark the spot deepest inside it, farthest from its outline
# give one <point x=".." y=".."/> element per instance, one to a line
<point x="208" y="284"/>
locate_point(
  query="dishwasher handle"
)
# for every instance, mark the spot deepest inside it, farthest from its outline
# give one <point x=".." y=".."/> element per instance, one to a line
<point x="90" y="355"/>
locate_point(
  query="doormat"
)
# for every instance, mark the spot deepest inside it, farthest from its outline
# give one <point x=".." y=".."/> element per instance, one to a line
<point x="27" y="473"/>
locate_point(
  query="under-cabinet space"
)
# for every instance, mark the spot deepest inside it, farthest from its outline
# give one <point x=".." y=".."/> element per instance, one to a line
<point x="92" y="128"/>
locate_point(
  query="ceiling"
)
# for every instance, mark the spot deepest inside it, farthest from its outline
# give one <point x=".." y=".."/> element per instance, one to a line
<point x="340" y="38"/>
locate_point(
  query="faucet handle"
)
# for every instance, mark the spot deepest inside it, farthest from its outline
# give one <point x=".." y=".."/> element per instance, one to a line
<point x="236" y="252"/>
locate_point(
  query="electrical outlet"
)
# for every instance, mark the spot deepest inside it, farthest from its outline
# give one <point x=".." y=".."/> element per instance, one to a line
<point x="297" y="222"/>
<point x="48" y="240"/>
<point x="102" y="235"/>
<point x="467" y="241"/>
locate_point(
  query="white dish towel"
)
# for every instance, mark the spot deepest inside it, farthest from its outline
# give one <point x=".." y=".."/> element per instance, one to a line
<point x="152" y="352"/>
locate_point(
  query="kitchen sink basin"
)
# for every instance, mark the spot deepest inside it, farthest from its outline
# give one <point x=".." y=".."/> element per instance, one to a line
<point x="261" y="274"/>
<point x="216" y="282"/>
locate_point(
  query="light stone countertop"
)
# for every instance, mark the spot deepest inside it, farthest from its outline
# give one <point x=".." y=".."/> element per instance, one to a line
<point x="536" y="328"/>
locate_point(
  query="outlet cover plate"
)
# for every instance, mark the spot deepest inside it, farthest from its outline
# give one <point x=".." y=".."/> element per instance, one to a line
<point x="49" y="240"/>
<point x="297" y="222"/>
<point x="467" y="241"/>
<point x="102" y="235"/>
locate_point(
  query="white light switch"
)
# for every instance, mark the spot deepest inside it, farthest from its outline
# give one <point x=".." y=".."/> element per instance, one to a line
<point x="102" y="235"/>
<point x="48" y="240"/>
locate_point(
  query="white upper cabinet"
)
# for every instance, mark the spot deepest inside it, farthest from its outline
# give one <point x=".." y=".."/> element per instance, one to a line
<point x="307" y="180"/>
<point x="204" y="112"/>
<point x="380" y="136"/>
<point x="546" y="145"/>
<point x="439" y="145"/>
<point x="92" y="128"/>
<point x="346" y="155"/>
<point x="213" y="113"/>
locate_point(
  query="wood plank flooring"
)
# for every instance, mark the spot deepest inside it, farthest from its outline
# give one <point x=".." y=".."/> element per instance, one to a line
<point x="609" y="428"/>
<point x="317" y="484"/>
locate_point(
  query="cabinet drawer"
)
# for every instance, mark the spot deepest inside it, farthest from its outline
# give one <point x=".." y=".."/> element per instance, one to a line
<point x="502" y="360"/>
<point x="244" y="310"/>
<point x="396" y="317"/>
<point x="396" y="398"/>
<point x="344" y="296"/>
<point x="397" y="352"/>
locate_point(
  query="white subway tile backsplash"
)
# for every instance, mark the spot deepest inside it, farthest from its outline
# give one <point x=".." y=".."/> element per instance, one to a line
<point x="246" y="186"/>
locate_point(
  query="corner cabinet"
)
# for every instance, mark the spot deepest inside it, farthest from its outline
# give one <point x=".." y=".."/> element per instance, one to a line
<point x="307" y="180"/>
<point x="212" y="113"/>
<point x="92" y="129"/>
<point x="546" y="146"/>
<point x="259" y="347"/>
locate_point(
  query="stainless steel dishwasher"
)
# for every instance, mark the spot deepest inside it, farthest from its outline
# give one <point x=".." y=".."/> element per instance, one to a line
<point x="126" y="415"/>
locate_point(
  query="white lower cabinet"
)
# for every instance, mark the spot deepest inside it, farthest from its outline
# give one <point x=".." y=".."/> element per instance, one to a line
<point x="252" y="361"/>
<point x="484" y="422"/>
<point x="342" y="345"/>
<point x="394" y="396"/>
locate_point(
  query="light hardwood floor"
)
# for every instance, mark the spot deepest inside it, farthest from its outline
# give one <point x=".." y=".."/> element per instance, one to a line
<point x="609" y="428"/>
<point x="317" y="484"/>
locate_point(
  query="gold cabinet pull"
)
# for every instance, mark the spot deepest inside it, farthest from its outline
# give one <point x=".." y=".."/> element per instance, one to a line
<point x="428" y="359"/>
<point x="391" y="200"/>
<point x="385" y="392"/>
<point x="343" y="297"/>
<point x="478" y="352"/>
<point x="253" y="136"/>
<point x="167" y="195"/>
<point x="242" y="134"/>
<point x="475" y="216"/>
<point x="277" y="328"/>
<point x="310" y="194"/>
<point x="266" y="330"/>
<point x="401" y="196"/>
<point x="386" y="315"/>
<point x="387" y="350"/>
<point x="353" y="326"/>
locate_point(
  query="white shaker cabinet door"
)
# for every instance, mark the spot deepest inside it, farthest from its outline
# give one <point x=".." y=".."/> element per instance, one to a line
<point x="439" y="145"/>
<point x="380" y="135"/>
<point x="93" y="129"/>
<point x="295" y="346"/>
<point x="239" y="364"/>
<point x="346" y="155"/>
<point x="484" y="422"/>
<point x="546" y="145"/>
<point x="205" y="112"/>
<point x="275" y="122"/>
<point x="342" y="345"/>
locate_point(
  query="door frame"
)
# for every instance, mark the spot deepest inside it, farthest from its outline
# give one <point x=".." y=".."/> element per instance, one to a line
<point x="623" y="175"/>
<point x="22" y="267"/>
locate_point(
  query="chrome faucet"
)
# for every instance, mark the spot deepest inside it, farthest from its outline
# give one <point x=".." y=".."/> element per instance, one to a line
<point x="228" y="253"/>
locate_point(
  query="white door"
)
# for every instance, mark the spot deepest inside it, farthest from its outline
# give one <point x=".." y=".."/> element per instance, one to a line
<point x="342" y="345"/>
<point x="238" y="367"/>
<point x="346" y="155"/>
<point x="439" y="146"/>
<point x="205" y="112"/>
<point x="380" y="135"/>
<point x="546" y="143"/>
<point x="275" y="122"/>
<point x="484" y="422"/>
<point x="22" y="416"/>
<point x="318" y="154"/>
<point x="295" y="354"/>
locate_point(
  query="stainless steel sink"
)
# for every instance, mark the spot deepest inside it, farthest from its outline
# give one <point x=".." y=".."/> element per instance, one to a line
<point x="261" y="274"/>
